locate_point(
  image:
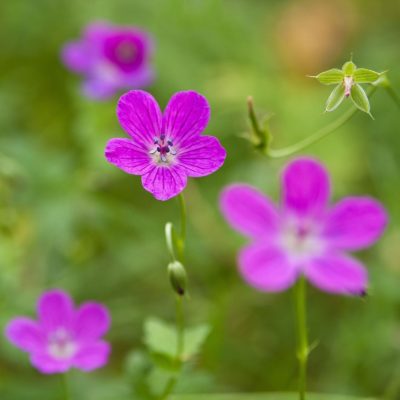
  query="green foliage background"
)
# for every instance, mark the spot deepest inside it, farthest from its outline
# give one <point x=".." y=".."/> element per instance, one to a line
<point x="70" y="220"/>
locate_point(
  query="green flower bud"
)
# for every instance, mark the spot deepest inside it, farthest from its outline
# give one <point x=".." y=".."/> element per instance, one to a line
<point x="177" y="277"/>
<point x="261" y="136"/>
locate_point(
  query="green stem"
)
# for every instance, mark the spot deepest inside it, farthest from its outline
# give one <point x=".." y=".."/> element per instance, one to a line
<point x="302" y="349"/>
<point x="318" y="135"/>
<point x="393" y="95"/>
<point x="182" y="232"/>
<point x="180" y="318"/>
<point x="180" y="327"/>
<point x="66" y="387"/>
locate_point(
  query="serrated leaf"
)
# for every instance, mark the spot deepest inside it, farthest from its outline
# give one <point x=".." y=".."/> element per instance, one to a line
<point x="194" y="339"/>
<point x="160" y="337"/>
<point x="360" y="98"/>
<point x="363" y="75"/>
<point x="348" y="68"/>
<point x="335" y="98"/>
<point x="330" y="77"/>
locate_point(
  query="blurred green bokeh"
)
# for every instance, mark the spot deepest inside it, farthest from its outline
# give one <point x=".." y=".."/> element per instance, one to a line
<point x="68" y="219"/>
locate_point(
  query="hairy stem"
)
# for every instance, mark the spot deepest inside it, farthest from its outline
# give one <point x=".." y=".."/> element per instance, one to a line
<point x="302" y="345"/>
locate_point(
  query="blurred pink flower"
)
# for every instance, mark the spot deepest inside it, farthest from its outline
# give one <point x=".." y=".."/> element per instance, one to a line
<point x="164" y="149"/>
<point x="111" y="58"/>
<point x="62" y="338"/>
<point x="304" y="235"/>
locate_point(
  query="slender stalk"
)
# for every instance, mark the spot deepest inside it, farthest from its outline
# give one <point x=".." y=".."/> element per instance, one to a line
<point x="182" y="237"/>
<point x="318" y="135"/>
<point x="393" y="95"/>
<point x="66" y="387"/>
<point x="180" y="327"/>
<point x="302" y="349"/>
<point x="179" y="312"/>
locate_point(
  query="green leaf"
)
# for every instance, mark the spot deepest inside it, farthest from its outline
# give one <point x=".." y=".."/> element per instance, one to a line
<point x="157" y="380"/>
<point x="137" y="368"/>
<point x="335" y="98"/>
<point x="360" y="99"/>
<point x="194" y="338"/>
<point x="330" y="77"/>
<point x="363" y="75"/>
<point x="160" y="337"/>
<point x="348" y="68"/>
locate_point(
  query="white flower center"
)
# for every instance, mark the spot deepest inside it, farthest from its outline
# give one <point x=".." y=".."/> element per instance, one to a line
<point x="163" y="151"/>
<point x="348" y="83"/>
<point x="300" y="240"/>
<point x="61" y="345"/>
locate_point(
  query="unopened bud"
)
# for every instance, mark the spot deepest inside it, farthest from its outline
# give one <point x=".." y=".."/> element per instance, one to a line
<point x="177" y="277"/>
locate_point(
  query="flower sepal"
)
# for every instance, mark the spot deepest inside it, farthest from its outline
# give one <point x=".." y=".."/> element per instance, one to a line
<point x="260" y="135"/>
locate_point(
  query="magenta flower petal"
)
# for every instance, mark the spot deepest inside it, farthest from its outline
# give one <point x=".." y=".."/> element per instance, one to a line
<point x="128" y="156"/>
<point x="164" y="183"/>
<point x="49" y="365"/>
<point x="266" y="268"/>
<point x="337" y="273"/>
<point x="305" y="187"/>
<point x="92" y="356"/>
<point x="110" y="58"/>
<point x="92" y="321"/>
<point x="355" y="223"/>
<point x="99" y="89"/>
<point x="25" y="334"/>
<point x="165" y="149"/>
<point x="203" y="157"/>
<point x="74" y="56"/>
<point x="55" y="309"/>
<point x="186" y="115"/>
<point x="63" y="338"/>
<point x="304" y="236"/>
<point x="139" y="115"/>
<point x="96" y="32"/>
<point x="248" y="211"/>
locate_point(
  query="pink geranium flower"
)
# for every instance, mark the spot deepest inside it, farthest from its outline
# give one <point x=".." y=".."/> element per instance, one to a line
<point x="111" y="58"/>
<point x="62" y="338"/>
<point x="164" y="149"/>
<point x="304" y="235"/>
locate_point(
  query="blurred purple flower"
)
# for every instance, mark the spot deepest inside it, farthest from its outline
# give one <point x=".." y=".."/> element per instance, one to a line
<point x="111" y="58"/>
<point x="304" y="235"/>
<point x="62" y="338"/>
<point x="165" y="148"/>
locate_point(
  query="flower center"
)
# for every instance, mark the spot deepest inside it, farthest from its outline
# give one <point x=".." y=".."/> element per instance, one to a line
<point x="126" y="51"/>
<point x="300" y="240"/>
<point x="348" y="83"/>
<point x="163" y="151"/>
<point x="60" y="345"/>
